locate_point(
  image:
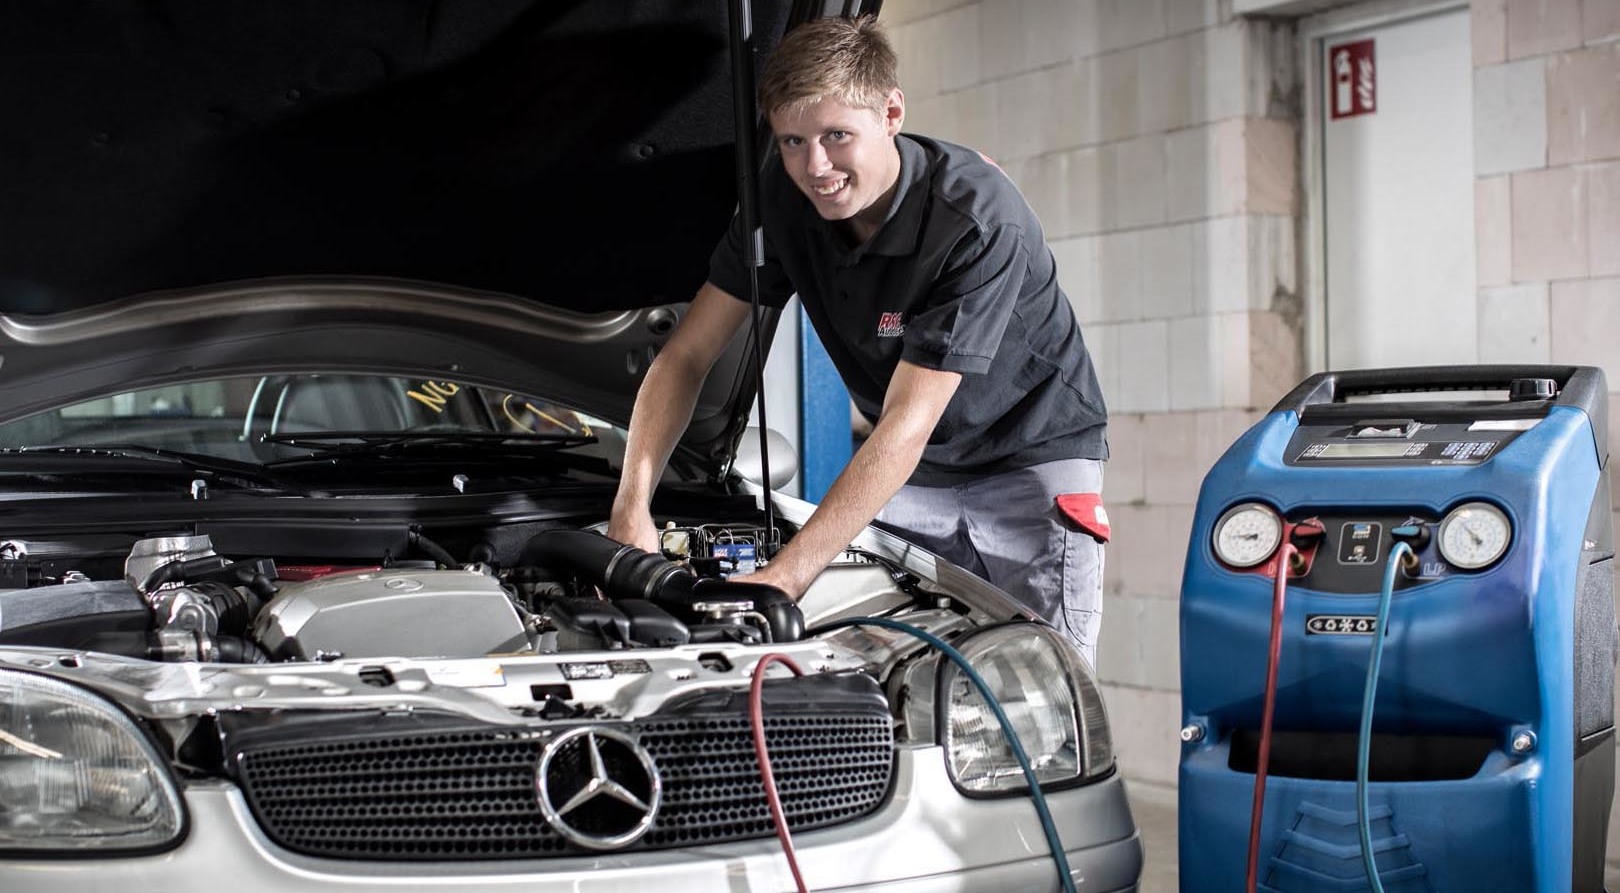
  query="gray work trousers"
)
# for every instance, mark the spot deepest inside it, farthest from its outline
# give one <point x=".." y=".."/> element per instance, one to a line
<point x="1007" y="529"/>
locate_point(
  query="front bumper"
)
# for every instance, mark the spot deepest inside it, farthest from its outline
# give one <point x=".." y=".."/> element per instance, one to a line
<point x="926" y="837"/>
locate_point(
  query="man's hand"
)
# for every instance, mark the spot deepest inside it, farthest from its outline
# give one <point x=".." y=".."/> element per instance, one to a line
<point x="782" y="577"/>
<point x="634" y="527"/>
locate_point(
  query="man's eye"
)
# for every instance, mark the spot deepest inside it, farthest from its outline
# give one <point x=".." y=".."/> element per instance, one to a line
<point x="791" y="141"/>
<point x="839" y="134"/>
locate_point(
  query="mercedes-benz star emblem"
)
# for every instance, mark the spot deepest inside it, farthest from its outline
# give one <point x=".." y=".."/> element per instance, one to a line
<point x="598" y="787"/>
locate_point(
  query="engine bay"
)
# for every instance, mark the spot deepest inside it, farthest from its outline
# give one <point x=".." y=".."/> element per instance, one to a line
<point x="173" y="597"/>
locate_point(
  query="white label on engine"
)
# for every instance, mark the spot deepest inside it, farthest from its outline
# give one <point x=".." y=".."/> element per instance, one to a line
<point x="606" y="669"/>
<point x="742" y="556"/>
<point x="468" y="674"/>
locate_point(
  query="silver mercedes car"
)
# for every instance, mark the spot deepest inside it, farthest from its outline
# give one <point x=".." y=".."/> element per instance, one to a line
<point x="319" y="323"/>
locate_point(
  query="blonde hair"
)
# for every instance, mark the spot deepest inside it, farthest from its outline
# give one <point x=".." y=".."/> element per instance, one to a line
<point x="832" y="58"/>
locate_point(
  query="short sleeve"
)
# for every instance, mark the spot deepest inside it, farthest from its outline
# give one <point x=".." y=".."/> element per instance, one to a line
<point x="728" y="268"/>
<point x="963" y="318"/>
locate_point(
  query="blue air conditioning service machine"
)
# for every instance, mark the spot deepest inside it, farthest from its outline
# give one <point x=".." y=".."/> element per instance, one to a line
<point x="1398" y="639"/>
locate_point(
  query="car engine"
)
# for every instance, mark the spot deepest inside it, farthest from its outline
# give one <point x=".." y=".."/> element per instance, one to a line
<point x="565" y="590"/>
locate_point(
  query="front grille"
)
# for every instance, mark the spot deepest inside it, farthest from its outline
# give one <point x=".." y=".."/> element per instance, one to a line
<point x="461" y="794"/>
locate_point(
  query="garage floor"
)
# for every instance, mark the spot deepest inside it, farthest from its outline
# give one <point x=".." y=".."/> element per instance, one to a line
<point x="1154" y="807"/>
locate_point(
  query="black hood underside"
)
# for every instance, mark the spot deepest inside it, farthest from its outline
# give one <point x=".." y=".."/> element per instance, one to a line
<point x="574" y="152"/>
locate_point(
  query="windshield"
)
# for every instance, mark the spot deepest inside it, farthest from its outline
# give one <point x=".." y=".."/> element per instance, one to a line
<point x="258" y="419"/>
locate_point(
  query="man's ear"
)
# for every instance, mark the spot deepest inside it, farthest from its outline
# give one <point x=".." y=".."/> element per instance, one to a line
<point x="894" y="112"/>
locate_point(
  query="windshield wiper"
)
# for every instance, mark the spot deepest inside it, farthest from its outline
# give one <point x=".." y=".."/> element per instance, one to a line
<point x="333" y="445"/>
<point x="244" y="474"/>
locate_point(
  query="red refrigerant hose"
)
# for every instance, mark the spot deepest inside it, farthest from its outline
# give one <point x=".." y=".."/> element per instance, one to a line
<point x="1278" y="596"/>
<point x="756" y="719"/>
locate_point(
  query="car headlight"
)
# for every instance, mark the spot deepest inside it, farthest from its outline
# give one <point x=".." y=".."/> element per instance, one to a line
<point x="1048" y="694"/>
<point x="77" y="774"/>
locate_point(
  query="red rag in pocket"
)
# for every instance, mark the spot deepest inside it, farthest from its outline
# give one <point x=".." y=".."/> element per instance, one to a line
<point x="1086" y="510"/>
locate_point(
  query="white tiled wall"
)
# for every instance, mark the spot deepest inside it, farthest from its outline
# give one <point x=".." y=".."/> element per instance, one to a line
<point x="1514" y="326"/>
<point x="1549" y="219"/>
<point x="1493" y="231"/>
<point x="1136" y="652"/>
<point x="1136" y="181"/>
<point x="1538" y="27"/>
<point x="1166" y="271"/>
<point x="1144" y="367"/>
<point x="1197" y="364"/>
<point x="1510" y="117"/>
<point x="1139" y="718"/>
<point x="1584" y="318"/>
<point x="1603" y="215"/>
<point x="1600" y="20"/>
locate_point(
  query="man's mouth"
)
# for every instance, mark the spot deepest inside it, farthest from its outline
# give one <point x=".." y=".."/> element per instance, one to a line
<point x="830" y="189"/>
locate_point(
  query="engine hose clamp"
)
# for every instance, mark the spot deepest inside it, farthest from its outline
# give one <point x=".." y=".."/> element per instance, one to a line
<point x="717" y="610"/>
<point x="607" y="572"/>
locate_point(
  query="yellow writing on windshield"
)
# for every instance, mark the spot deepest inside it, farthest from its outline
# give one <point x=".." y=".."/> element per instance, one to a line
<point x="438" y="393"/>
<point x="523" y="425"/>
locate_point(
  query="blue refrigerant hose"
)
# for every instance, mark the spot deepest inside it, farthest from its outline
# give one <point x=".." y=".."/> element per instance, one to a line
<point x="956" y="657"/>
<point x="1364" y="739"/>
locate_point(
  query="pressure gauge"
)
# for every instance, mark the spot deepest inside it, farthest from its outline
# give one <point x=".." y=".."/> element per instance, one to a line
<point x="1247" y="534"/>
<point x="1474" y="535"/>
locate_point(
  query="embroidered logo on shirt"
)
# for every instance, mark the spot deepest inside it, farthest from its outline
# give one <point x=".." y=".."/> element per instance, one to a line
<point x="891" y="325"/>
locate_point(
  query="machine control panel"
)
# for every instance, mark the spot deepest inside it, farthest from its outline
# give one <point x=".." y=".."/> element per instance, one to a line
<point x="1404" y="443"/>
<point x="1355" y="549"/>
<point x="1360" y="542"/>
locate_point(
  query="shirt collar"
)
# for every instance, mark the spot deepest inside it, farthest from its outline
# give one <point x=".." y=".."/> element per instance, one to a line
<point x="897" y="234"/>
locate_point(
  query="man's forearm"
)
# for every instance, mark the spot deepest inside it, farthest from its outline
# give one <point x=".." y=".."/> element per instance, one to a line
<point x="663" y="408"/>
<point x="874" y="474"/>
<point x="911" y="408"/>
<point x="670" y="391"/>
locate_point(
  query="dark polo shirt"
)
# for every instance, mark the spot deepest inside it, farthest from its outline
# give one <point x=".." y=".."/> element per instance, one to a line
<point x="957" y="278"/>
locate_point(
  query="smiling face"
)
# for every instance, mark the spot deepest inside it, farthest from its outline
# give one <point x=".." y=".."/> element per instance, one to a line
<point x="843" y="158"/>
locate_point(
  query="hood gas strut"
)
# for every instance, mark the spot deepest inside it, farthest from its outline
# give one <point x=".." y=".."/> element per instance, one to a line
<point x="745" y="119"/>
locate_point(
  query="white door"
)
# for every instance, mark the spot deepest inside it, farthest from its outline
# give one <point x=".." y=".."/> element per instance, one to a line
<point x="1396" y="119"/>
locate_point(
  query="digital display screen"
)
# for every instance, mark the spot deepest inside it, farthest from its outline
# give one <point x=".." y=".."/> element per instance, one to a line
<point x="1357" y="450"/>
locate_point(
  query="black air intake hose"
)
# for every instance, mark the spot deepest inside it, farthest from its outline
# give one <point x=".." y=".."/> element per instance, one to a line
<point x="255" y="574"/>
<point x="233" y="608"/>
<point x="432" y="549"/>
<point x="628" y="572"/>
<point x="239" y="650"/>
<point x="782" y="613"/>
<point x="182" y="571"/>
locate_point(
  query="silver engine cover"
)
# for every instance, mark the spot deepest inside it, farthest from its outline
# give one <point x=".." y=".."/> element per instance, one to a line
<point x="391" y="613"/>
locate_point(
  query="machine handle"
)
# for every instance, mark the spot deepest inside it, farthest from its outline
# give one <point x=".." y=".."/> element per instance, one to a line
<point x="1581" y="387"/>
<point x="1335" y="387"/>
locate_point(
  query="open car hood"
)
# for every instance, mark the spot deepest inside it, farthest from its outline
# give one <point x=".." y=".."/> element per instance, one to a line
<point x="591" y="362"/>
<point x="574" y="154"/>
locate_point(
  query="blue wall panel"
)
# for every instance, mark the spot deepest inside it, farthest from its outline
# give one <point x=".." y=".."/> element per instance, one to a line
<point x="824" y="440"/>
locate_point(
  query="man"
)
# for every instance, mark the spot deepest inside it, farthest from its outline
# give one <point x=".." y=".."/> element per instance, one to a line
<point x="928" y="279"/>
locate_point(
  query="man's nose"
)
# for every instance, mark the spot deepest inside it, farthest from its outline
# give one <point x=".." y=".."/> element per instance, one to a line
<point x="816" y="161"/>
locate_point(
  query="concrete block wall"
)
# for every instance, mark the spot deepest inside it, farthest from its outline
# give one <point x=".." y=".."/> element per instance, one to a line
<point x="1547" y="196"/>
<point x="1157" y="141"/>
<point x="1547" y="193"/>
